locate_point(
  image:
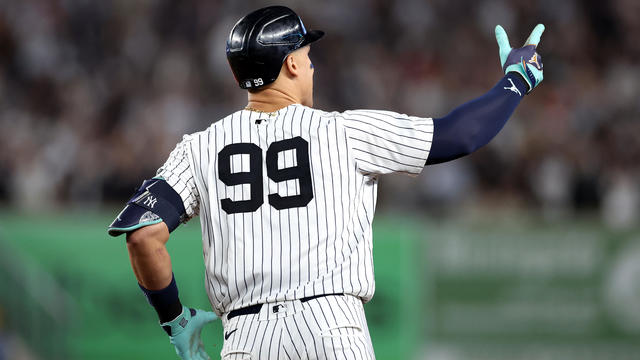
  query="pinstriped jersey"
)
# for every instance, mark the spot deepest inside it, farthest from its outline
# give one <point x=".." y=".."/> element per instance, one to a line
<point x="286" y="199"/>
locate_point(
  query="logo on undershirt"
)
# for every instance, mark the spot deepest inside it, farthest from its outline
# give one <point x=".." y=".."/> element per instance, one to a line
<point x="513" y="88"/>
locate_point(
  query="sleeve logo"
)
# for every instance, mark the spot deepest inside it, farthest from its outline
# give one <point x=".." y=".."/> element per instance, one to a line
<point x="150" y="201"/>
<point x="513" y="88"/>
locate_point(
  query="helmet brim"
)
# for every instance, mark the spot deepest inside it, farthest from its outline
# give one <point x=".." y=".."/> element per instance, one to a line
<point x="311" y="36"/>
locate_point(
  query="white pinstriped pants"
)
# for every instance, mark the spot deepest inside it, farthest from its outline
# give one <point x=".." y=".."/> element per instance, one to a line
<point x="328" y="327"/>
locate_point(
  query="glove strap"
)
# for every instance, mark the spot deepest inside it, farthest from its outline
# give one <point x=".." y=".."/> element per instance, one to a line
<point x="175" y="326"/>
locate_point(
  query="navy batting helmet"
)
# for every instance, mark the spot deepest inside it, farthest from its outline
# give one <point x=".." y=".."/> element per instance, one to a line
<point x="260" y="41"/>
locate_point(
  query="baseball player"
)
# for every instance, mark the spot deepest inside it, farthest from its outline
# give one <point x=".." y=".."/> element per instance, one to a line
<point x="286" y="195"/>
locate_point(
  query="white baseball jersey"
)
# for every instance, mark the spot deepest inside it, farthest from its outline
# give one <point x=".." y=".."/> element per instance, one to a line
<point x="286" y="199"/>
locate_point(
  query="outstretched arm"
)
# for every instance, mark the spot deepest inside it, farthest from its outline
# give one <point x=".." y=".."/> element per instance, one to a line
<point x="473" y="124"/>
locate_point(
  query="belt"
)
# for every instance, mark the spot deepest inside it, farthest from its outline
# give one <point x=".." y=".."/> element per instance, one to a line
<point x="254" y="309"/>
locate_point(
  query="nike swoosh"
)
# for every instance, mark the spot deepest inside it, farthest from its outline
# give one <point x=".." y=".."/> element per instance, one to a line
<point x="226" y="335"/>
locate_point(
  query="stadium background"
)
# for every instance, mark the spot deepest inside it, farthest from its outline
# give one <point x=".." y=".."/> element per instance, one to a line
<point x="528" y="249"/>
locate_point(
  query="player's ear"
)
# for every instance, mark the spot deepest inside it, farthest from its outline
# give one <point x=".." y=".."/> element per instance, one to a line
<point x="292" y="65"/>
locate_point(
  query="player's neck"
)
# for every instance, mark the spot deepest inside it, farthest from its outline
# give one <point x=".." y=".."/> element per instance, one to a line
<point x="270" y="100"/>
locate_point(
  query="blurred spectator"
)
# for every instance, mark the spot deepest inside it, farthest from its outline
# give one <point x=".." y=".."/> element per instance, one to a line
<point x="94" y="95"/>
<point x="621" y="203"/>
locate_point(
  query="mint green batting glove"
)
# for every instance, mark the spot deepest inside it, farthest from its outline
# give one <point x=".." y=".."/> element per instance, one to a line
<point x="525" y="60"/>
<point x="184" y="333"/>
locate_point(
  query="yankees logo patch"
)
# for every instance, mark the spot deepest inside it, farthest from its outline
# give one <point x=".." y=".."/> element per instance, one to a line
<point x="150" y="201"/>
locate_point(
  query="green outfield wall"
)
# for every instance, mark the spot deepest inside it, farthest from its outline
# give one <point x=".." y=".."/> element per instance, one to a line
<point x="445" y="290"/>
<point x="107" y="316"/>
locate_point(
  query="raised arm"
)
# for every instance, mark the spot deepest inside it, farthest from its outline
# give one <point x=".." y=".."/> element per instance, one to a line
<point x="473" y="124"/>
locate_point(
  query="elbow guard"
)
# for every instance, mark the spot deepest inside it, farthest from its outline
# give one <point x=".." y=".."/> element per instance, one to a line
<point x="154" y="201"/>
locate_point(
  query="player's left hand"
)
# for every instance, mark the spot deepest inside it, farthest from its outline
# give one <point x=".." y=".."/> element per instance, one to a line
<point x="184" y="333"/>
<point x="525" y="60"/>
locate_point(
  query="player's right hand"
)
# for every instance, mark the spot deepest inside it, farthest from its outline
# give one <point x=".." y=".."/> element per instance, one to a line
<point x="184" y="333"/>
<point x="525" y="60"/>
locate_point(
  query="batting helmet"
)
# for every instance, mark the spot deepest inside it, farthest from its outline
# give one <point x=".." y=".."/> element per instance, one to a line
<point x="260" y="42"/>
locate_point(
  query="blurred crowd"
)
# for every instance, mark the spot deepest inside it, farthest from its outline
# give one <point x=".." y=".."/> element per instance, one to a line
<point x="95" y="94"/>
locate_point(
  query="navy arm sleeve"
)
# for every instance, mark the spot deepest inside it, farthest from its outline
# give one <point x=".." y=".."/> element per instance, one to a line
<point x="473" y="124"/>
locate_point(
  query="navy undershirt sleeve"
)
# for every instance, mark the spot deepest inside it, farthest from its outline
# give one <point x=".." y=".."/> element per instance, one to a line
<point x="473" y="124"/>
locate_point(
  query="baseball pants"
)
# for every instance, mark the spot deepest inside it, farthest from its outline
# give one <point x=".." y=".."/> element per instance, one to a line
<point x="328" y="327"/>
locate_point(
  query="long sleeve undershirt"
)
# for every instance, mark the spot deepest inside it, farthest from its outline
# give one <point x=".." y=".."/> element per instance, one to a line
<point x="473" y="124"/>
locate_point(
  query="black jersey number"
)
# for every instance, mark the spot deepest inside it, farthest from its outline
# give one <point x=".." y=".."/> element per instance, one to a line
<point x="253" y="177"/>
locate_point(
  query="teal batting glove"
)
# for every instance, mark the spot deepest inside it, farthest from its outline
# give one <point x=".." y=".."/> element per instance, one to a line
<point x="184" y="333"/>
<point x="525" y="60"/>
